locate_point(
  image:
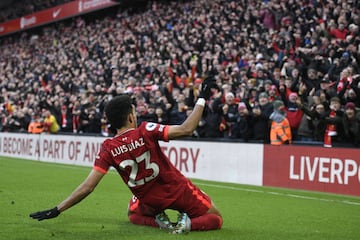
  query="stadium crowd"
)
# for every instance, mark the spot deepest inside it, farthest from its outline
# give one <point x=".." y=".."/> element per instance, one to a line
<point x="302" y="54"/>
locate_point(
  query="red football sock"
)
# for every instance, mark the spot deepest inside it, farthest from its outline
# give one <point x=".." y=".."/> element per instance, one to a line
<point x="208" y="221"/>
<point x="143" y="220"/>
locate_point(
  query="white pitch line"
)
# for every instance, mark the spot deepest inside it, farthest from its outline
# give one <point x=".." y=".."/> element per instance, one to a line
<point x="281" y="194"/>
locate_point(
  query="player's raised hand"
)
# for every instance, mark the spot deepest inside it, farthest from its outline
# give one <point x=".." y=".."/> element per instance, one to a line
<point x="46" y="214"/>
<point x="206" y="86"/>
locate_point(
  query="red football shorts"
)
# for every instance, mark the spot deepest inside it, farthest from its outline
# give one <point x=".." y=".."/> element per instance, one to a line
<point x="192" y="201"/>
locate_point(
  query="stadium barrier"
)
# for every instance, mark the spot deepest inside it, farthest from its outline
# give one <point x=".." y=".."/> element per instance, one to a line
<point x="54" y="14"/>
<point x="314" y="168"/>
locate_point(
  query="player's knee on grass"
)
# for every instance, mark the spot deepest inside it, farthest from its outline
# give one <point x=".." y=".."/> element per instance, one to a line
<point x="206" y="222"/>
<point x="216" y="221"/>
<point x="219" y="222"/>
<point x="132" y="217"/>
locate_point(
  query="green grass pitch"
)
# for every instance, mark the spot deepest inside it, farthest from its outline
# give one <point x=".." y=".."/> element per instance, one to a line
<point x="249" y="212"/>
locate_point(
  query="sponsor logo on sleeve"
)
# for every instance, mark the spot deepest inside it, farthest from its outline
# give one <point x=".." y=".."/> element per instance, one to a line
<point x="150" y="126"/>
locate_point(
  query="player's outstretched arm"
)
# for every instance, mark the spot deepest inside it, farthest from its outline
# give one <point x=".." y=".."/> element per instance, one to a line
<point x="81" y="192"/>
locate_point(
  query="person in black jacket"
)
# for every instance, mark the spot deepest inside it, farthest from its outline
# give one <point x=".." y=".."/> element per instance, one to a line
<point x="242" y="128"/>
<point x="351" y="123"/>
<point x="210" y="122"/>
<point x="259" y="119"/>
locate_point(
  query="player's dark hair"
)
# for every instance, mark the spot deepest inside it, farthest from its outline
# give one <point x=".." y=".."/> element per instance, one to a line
<point x="117" y="110"/>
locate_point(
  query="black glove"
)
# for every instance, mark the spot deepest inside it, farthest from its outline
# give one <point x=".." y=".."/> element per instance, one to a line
<point x="47" y="214"/>
<point x="206" y="86"/>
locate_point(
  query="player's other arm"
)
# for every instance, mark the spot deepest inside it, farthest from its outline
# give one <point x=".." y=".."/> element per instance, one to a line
<point x="81" y="192"/>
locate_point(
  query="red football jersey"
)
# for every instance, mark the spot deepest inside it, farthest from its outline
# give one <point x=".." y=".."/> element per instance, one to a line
<point x="138" y="158"/>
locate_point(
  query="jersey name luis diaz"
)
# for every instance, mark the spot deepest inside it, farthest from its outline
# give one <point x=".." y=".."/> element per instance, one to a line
<point x="134" y="144"/>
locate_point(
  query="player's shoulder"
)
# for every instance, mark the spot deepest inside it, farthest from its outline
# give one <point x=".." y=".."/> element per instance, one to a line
<point x="106" y="143"/>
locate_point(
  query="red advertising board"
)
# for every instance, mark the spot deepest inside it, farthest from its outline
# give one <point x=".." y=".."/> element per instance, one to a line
<point x="333" y="170"/>
<point x="57" y="13"/>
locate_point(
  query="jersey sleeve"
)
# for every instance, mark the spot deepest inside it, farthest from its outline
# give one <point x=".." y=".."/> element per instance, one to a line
<point x="102" y="160"/>
<point x="156" y="131"/>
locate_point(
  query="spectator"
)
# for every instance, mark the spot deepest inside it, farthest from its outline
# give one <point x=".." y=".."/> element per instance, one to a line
<point x="160" y="115"/>
<point x="327" y="88"/>
<point x="350" y="91"/>
<point x="16" y="122"/>
<point x="66" y="120"/>
<point x="212" y="118"/>
<point x="267" y="17"/>
<point x="75" y="112"/>
<point x="91" y="122"/>
<point x="259" y="119"/>
<point x="334" y="132"/>
<point x="351" y="123"/>
<point x="339" y="32"/>
<point x="50" y="123"/>
<point x="230" y="115"/>
<point x="150" y="115"/>
<point x="306" y="131"/>
<point x="177" y="113"/>
<point x="318" y="122"/>
<point x="280" y="132"/>
<point x="311" y="80"/>
<point x="293" y="113"/>
<point x="241" y="128"/>
<point x="273" y="93"/>
<point x="36" y="125"/>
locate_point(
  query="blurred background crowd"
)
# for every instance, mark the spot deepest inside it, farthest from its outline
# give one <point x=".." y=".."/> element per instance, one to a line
<point x="296" y="58"/>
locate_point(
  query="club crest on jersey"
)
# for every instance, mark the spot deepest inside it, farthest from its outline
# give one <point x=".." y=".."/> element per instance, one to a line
<point x="150" y="126"/>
